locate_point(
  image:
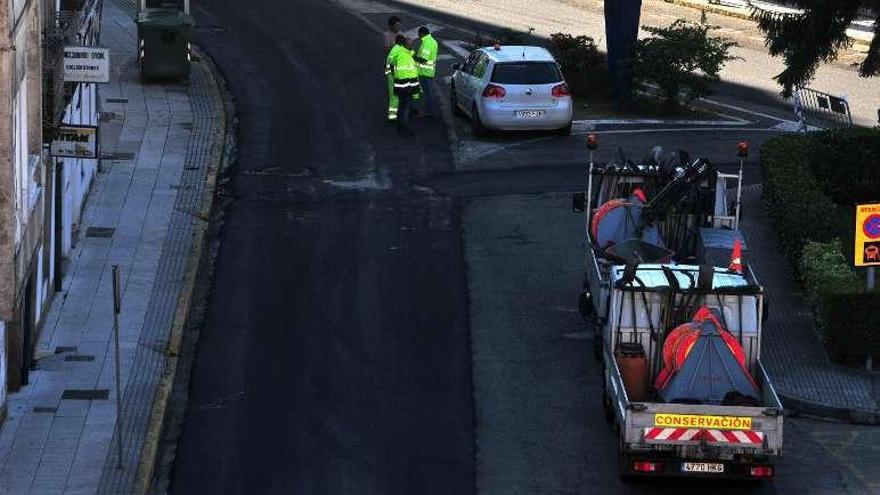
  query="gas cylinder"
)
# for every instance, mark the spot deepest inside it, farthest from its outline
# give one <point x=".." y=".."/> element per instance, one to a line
<point x="633" y="365"/>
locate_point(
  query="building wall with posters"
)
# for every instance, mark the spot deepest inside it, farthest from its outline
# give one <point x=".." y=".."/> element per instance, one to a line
<point x="22" y="195"/>
<point x="81" y="109"/>
<point x="41" y="197"/>
<point x="78" y="173"/>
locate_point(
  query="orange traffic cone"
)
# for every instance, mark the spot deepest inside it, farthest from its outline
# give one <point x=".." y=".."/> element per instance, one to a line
<point x="736" y="258"/>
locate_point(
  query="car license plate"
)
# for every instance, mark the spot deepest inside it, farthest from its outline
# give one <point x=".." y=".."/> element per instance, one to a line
<point x="702" y="467"/>
<point x="529" y="114"/>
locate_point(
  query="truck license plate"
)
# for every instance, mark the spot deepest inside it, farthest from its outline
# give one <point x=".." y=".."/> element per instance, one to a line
<point x="702" y="467"/>
<point x="529" y="114"/>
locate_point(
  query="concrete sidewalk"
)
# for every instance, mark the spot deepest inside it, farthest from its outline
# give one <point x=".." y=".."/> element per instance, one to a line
<point x="793" y="352"/>
<point x="159" y="144"/>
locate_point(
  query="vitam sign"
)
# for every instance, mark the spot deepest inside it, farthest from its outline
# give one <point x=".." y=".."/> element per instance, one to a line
<point x="74" y="141"/>
<point x="86" y="64"/>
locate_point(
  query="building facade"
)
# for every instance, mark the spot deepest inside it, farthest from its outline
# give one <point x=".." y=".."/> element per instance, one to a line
<point x="41" y="197"/>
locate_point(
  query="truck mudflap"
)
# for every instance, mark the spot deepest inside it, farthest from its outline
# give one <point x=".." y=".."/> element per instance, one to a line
<point x="697" y="436"/>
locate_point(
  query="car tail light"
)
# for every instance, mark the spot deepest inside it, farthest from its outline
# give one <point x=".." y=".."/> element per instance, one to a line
<point x="493" y="91"/>
<point x="647" y="466"/>
<point x="560" y="90"/>
<point x="761" y="471"/>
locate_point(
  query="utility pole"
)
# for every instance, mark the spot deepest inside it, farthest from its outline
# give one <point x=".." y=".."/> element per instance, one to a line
<point x="117" y="306"/>
<point x="869" y="361"/>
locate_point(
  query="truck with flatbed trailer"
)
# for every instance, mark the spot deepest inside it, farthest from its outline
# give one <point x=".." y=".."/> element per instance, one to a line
<point x="677" y="328"/>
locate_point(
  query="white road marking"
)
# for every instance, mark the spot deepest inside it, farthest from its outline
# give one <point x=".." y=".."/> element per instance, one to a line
<point x="445" y="56"/>
<point x="743" y="110"/>
<point x="725" y="105"/>
<point x="356" y="8"/>
<point x="581" y="125"/>
<point x="657" y="122"/>
<point x="794" y="127"/>
<point x="474" y="150"/>
<point x="456" y="47"/>
<point x="687" y="129"/>
<point x="729" y="117"/>
<point x="369" y="181"/>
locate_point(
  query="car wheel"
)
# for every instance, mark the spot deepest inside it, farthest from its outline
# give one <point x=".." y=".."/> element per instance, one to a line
<point x="477" y="123"/>
<point x="564" y="131"/>
<point x="453" y="102"/>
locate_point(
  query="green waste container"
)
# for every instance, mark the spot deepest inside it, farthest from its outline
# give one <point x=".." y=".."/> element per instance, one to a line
<point x="164" y="43"/>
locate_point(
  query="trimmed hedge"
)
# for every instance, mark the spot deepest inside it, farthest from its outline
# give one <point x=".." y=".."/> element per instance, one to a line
<point x="847" y="161"/>
<point x="848" y="316"/>
<point x="854" y="326"/>
<point x="825" y="271"/>
<point x="810" y="184"/>
<point x="799" y="209"/>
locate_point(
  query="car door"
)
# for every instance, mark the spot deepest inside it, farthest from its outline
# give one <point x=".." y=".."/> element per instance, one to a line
<point x="478" y="77"/>
<point x="463" y="82"/>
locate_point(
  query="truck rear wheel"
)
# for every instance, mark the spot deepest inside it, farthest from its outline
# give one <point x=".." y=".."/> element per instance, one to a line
<point x="597" y="342"/>
<point x="623" y="466"/>
<point x="607" y="407"/>
<point x="585" y="305"/>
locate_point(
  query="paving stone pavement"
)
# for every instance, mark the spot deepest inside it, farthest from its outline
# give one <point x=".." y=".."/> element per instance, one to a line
<point x="152" y="202"/>
<point x="793" y="352"/>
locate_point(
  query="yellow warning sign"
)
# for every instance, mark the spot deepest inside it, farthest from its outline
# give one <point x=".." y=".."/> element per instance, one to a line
<point x="707" y="422"/>
<point x="867" y="249"/>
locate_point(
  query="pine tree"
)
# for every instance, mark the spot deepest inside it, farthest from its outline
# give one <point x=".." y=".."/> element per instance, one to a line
<point x="815" y="36"/>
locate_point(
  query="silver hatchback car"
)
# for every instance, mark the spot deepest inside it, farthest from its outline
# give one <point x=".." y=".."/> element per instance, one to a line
<point x="511" y="88"/>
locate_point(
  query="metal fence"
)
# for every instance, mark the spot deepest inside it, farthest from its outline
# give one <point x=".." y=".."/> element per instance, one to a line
<point x="817" y="109"/>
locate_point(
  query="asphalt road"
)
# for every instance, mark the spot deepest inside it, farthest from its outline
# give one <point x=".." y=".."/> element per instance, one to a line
<point x="392" y="317"/>
<point x="334" y="357"/>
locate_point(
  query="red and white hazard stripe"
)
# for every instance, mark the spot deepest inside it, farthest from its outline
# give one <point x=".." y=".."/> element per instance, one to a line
<point x="735" y="436"/>
<point x="669" y="435"/>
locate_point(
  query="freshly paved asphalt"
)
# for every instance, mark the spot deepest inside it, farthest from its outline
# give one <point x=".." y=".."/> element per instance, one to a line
<point x="334" y="357"/>
<point x="383" y="321"/>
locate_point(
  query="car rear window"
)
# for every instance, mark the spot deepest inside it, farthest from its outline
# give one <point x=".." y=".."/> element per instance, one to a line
<point x="526" y="73"/>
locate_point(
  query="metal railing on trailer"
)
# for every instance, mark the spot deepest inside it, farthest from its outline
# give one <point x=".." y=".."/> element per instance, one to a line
<point x="663" y="308"/>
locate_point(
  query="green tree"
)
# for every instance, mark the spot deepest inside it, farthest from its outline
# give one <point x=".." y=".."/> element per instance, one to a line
<point x="815" y="36"/>
<point x="682" y="59"/>
<point x="581" y="62"/>
<point x="575" y="53"/>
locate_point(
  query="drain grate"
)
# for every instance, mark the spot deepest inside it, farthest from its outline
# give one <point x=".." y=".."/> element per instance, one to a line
<point x="117" y="156"/>
<point x="116" y="100"/>
<point x="45" y="410"/>
<point x="105" y="232"/>
<point x="65" y="348"/>
<point x="85" y="394"/>
<point x="78" y="358"/>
